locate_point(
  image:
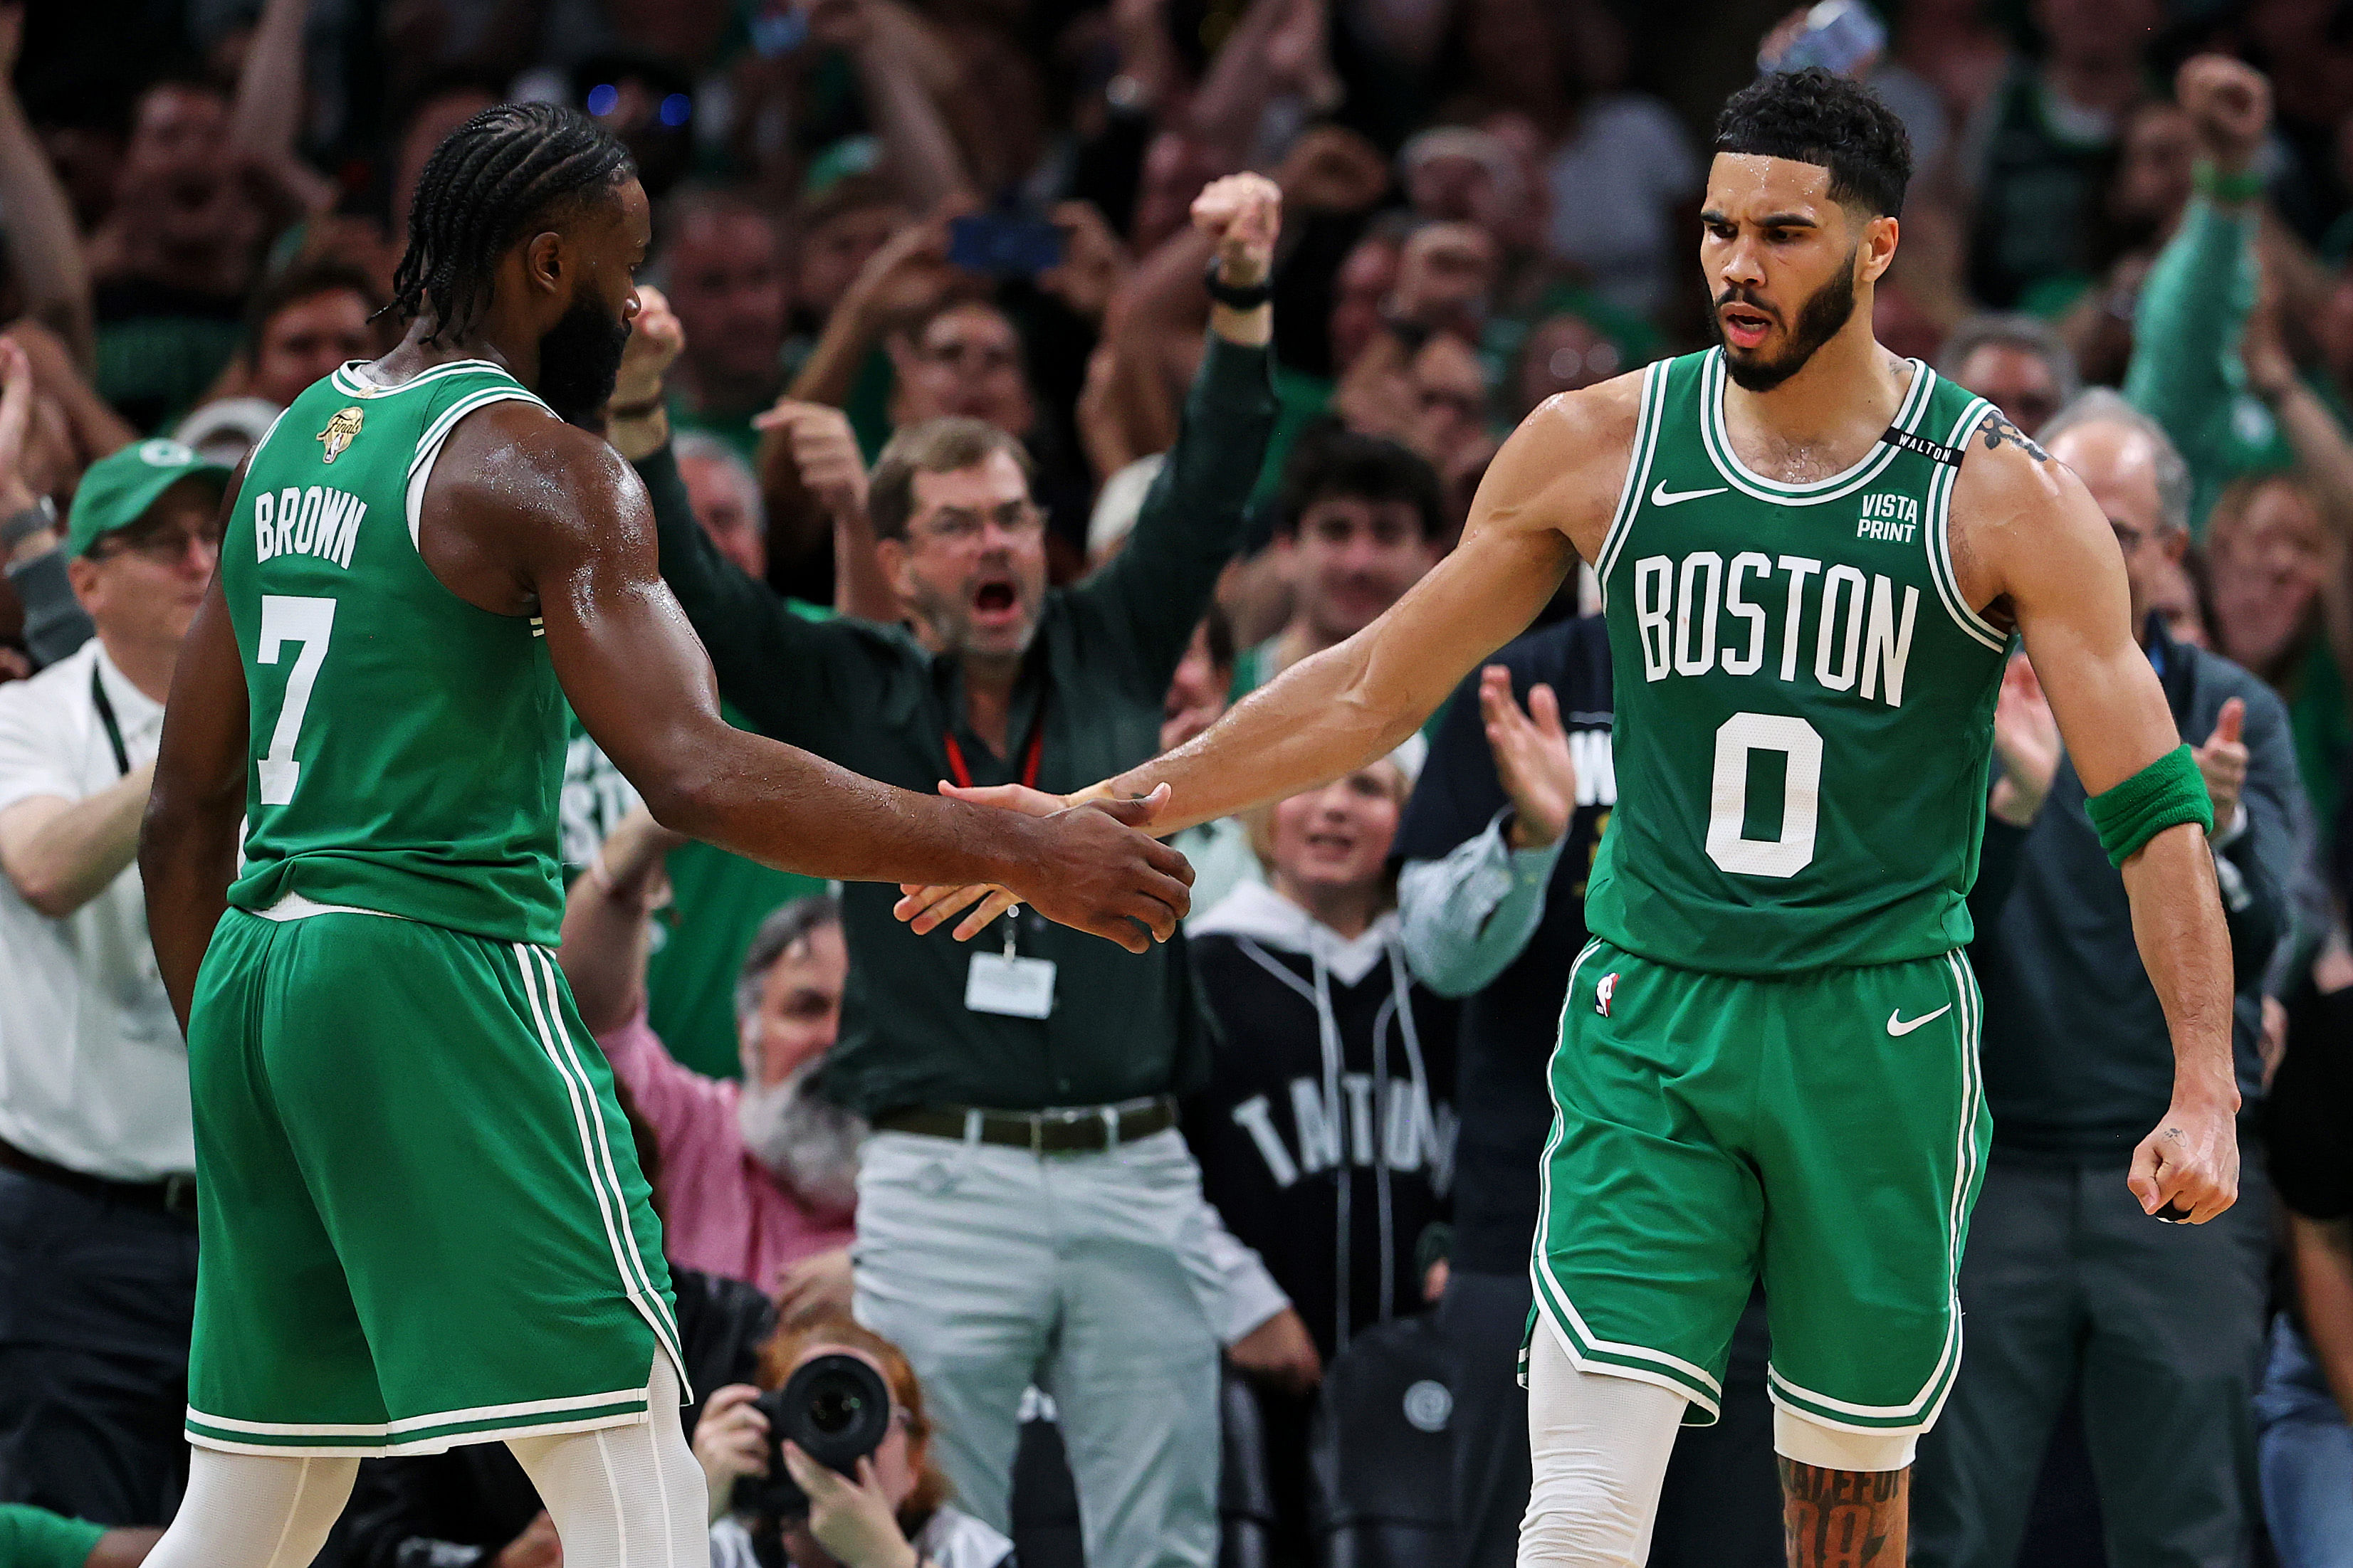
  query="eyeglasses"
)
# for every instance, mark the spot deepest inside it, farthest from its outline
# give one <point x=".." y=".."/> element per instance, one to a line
<point x="165" y="546"/>
<point x="1021" y="520"/>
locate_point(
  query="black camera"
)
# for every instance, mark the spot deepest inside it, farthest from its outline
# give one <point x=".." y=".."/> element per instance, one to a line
<point x="837" y="1409"/>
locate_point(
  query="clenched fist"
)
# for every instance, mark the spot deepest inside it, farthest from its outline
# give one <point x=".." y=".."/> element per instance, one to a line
<point x="823" y="452"/>
<point x="655" y="340"/>
<point x="2230" y="103"/>
<point x="1242" y="213"/>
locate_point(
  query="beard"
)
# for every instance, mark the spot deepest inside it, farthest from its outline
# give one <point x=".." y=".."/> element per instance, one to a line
<point x="807" y="1143"/>
<point x="1818" y="321"/>
<point x="580" y="359"/>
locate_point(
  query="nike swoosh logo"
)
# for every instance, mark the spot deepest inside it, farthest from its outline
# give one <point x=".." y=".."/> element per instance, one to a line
<point x="1899" y="1026"/>
<point x="1662" y="496"/>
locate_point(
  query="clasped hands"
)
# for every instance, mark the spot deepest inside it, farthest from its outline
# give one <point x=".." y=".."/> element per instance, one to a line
<point x="928" y="908"/>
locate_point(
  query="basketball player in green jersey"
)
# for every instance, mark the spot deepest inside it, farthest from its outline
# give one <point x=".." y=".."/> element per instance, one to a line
<point x="1813" y="555"/>
<point x="423" y="1219"/>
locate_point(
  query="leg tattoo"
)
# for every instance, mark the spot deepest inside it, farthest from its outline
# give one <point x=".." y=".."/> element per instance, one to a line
<point x="1843" y="1518"/>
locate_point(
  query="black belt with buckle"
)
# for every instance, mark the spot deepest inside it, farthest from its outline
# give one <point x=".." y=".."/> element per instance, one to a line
<point x="1072" y="1130"/>
<point x="174" y="1194"/>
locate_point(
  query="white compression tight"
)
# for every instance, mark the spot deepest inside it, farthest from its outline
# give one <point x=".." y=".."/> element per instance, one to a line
<point x="621" y="1497"/>
<point x="1600" y="1446"/>
<point x="626" y="1497"/>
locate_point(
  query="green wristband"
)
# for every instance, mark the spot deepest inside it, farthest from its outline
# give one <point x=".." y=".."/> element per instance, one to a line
<point x="2242" y="187"/>
<point x="2168" y="793"/>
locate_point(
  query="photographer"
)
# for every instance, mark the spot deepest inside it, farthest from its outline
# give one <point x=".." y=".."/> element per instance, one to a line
<point x="892" y="1514"/>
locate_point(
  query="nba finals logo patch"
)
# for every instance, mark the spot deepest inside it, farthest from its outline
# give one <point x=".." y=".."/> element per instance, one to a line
<point x="1603" y="992"/>
<point x="339" y="432"/>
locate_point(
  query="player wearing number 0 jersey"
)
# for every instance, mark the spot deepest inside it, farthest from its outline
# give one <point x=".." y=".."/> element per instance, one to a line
<point x="1814" y="556"/>
<point x="1804" y="717"/>
<point x="422" y="1216"/>
<point x="1804" y="698"/>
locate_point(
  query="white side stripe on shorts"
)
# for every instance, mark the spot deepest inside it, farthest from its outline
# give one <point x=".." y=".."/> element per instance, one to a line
<point x="612" y="1204"/>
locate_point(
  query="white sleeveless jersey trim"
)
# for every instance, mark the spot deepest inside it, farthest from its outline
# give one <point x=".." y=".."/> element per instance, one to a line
<point x="255" y="450"/>
<point x="1646" y="424"/>
<point x="1717" y="439"/>
<point x="1939" y="537"/>
<point x="429" y="443"/>
<point x="428" y="446"/>
<point x="349" y="383"/>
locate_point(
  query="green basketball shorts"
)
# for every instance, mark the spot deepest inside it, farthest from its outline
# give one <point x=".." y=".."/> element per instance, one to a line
<point x="421" y="1216"/>
<point x="1826" y="1128"/>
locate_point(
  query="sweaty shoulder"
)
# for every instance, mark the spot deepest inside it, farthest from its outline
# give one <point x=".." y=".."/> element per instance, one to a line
<point x="1565" y="465"/>
<point x="2012" y="500"/>
<point x="516" y="493"/>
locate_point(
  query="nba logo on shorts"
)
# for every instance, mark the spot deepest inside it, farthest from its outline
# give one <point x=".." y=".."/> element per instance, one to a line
<point x="1603" y="992"/>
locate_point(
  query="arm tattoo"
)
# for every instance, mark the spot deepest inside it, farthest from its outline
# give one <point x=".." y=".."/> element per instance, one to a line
<point x="1997" y="428"/>
<point x="1843" y="1518"/>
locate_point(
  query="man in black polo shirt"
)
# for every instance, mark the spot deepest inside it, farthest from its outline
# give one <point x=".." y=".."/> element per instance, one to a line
<point x="1027" y="1210"/>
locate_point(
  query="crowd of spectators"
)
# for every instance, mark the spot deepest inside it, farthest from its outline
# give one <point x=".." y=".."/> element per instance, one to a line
<point x="966" y="477"/>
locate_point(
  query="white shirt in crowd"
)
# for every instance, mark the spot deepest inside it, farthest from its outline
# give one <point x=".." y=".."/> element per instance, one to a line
<point x="94" y="1072"/>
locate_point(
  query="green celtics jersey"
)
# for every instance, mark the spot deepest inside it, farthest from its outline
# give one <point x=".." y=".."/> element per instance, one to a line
<point x="407" y="747"/>
<point x="1804" y="700"/>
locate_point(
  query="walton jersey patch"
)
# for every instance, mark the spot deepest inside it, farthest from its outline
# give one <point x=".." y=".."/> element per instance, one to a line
<point x="340" y="432"/>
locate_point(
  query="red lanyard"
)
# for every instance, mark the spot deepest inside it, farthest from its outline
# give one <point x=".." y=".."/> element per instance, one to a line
<point x="1030" y="763"/>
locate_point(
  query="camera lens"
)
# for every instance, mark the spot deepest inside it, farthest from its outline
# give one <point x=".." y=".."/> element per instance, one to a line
<point x="834" y="1409"/>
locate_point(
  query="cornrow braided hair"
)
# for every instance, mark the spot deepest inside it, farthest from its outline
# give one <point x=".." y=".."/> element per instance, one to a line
<point x="483" y="187"/>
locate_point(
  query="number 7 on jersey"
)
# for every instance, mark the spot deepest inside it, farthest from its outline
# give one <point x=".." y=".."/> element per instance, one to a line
<point x="308" y="620"/>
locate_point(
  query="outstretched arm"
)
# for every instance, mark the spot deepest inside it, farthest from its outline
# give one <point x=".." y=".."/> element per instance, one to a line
<point x="1553" y="483"/>
<point x="43" y="242"/>
<point x="266" y="124"/>
<point x="2038" y="538"/>
<point x="1546" y="498"/>
<point x="562" y="512"/>
<point x="607" y="928"/>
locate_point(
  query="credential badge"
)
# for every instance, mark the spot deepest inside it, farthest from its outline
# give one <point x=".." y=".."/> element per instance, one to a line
<point x="339" y="432"/>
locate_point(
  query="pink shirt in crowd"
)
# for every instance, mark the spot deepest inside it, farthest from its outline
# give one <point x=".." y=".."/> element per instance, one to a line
<point x="722" y="1210"/>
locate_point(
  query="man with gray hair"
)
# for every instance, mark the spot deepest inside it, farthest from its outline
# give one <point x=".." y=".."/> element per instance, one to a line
<point x="1027" y="1210"/>
<point x="2066" y="1282"/>
<point x="757" y="1180"/>
<point x="2016" y="362"/>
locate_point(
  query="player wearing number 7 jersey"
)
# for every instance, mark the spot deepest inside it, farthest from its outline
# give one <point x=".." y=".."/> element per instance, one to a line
<point x="1813" y="555"/>
<point x="422" y="1216"/>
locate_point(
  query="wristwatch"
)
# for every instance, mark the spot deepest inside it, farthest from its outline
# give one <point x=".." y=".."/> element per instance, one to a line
<point x="23" y="525"/>
<point x="1232" y="296"/>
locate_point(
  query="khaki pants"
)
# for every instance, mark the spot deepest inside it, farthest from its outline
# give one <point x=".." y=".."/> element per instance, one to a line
<point x="1089" y="1275"/>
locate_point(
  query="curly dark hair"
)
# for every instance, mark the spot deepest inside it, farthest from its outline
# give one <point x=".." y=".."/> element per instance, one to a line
<point x="1329" y="460"/>
<point x="1813" y="117"/>
<point x="490" y="180"/>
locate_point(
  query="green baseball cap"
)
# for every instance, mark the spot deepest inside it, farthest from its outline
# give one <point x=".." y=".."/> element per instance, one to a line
<point x="116" y="491"/>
